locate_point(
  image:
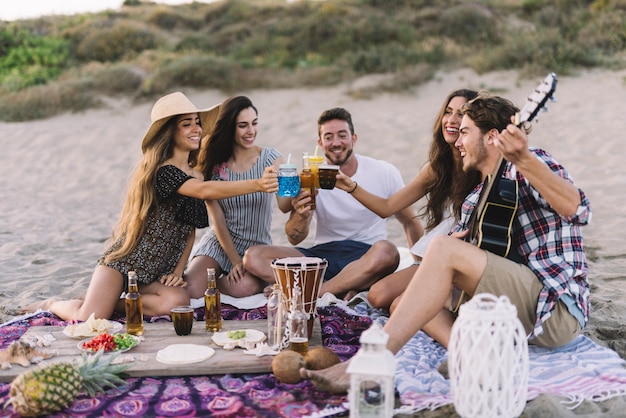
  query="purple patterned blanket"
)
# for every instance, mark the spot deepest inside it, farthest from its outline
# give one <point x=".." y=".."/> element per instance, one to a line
<point x="230" y="395"/>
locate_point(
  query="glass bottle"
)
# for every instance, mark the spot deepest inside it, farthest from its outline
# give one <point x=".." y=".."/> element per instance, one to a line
<point x="276" y="318"/>
<point x="212" y="304"/>
<point x="298" y="324"/>
<point x="133" y="306"/>
<point x="307" y="180"/>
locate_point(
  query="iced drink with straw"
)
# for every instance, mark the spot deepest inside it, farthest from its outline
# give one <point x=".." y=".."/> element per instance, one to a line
<point x="314" y="164"/>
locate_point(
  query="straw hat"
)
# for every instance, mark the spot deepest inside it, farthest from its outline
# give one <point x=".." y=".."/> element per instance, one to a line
<point x="177" y="104"/>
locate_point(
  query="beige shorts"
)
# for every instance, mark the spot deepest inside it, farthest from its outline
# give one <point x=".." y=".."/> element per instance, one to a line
<point x="505" y="277"/>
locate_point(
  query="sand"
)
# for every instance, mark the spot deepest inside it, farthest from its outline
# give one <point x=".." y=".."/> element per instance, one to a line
<point x="63" y="179"/>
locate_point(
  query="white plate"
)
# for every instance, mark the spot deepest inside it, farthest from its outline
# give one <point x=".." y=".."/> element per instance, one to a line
<point x="252" y="336"/>
<point x="80" y="346"/>
<point x="184" y="354"/>
<point x="69" y="330"/>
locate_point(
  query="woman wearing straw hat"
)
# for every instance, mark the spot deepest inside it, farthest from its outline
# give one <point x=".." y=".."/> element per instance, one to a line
<point x="230" y="153"/>
<point x="164" y="205"/>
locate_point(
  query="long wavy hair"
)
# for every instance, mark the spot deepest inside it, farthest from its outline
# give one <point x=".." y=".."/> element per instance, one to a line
<point x="219" y="145"/>
<point x="450" y="184"/>
<point x="141" y="192"/>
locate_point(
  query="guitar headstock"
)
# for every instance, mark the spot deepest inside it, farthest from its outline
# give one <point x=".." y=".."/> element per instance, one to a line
<point x="537" y="100"/>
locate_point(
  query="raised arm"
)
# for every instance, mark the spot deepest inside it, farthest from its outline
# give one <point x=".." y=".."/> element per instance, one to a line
<point x="561" y="194"/>
<point x="398" y="201"/>
<point x="215" y="190"/>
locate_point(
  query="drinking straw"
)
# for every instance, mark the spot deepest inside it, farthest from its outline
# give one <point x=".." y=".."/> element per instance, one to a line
<point x="288" y="158"/>
<point x="315" y="153"/>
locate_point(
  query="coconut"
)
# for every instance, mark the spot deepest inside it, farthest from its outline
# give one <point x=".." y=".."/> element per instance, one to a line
<point x="318" y="358"/>
<point x="286" y="366"/>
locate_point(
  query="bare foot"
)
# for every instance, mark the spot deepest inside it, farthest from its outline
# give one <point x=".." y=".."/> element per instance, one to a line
<point x="333" y="379"/>
<point x="32" y="307"/>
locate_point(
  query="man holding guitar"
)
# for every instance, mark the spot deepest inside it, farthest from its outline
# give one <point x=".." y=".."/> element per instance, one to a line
<point x="542" y="270"/>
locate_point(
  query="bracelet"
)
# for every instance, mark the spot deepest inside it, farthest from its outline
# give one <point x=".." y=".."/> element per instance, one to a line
<point x="354" y="188"/>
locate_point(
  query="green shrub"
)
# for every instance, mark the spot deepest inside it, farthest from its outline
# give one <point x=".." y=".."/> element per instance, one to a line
<point x="109" y="45"/>
<point x="36" y="60"/>
<point x="45" y="101"/>
<point x="197" y="72"/>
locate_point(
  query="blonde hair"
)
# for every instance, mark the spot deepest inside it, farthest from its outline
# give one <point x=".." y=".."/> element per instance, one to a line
<point x="141" y="193"/>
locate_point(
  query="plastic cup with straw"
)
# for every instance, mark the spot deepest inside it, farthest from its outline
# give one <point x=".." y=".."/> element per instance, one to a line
<point x="314" y="162"/>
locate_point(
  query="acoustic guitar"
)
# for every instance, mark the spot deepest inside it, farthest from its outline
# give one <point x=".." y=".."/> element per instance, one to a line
<point x="492" y="220"/>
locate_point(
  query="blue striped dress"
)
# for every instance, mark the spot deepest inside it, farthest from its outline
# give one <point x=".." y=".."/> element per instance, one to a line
<point x="248" y="217"/>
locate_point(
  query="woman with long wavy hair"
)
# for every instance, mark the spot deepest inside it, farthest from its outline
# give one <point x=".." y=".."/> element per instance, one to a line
<point x="163" y="207"/>
<point x="441" y="179"/>
<point x="237" y="223"/>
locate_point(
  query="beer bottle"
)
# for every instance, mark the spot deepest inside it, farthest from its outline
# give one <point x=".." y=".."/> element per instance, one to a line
<point x="134" y="309"/>
<point x="307" y="179"/>
<point x="298" y="323"/>
<point x="212" y="303"/>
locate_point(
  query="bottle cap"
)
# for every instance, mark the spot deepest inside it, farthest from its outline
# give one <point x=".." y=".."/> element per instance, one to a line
<point x="293" y="166"/>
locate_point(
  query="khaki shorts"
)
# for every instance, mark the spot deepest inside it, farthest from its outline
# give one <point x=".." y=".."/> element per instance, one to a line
<point x="505" y="277"/>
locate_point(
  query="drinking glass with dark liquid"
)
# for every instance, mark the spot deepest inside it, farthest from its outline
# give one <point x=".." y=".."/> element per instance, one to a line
<point x="133" y="306"/>
<point x="182" y="318"/>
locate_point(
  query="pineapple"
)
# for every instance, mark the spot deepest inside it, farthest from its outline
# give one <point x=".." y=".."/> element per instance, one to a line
<point x="52" y="387"/>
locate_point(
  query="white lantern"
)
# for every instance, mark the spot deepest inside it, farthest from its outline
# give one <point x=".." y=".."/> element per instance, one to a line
<point x="488" y="359"/>
<point x="372" y="369"/>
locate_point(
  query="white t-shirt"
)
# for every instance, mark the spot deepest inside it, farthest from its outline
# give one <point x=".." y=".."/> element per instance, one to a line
<point x="340" y="216"/>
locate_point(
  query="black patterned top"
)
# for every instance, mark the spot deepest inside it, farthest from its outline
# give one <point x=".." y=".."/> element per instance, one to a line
<point x="167" y="230"/>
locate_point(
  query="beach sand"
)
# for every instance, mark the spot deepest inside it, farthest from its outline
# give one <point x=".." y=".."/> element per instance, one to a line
<point x="63" y="180"/>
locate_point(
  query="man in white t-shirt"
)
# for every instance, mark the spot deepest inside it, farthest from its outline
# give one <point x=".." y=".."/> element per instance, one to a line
<point x="349" y="236"/>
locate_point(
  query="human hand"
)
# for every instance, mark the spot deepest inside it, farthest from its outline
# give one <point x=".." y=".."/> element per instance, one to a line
<point x="235" y="275"/>
<point x="269" y="180"/>
<point x="302" y="203"/>
<point x="172" y="280"/>
<point x="512" y="142"/>
<point x="460" y="234"/>
<point x="344" y="182"/>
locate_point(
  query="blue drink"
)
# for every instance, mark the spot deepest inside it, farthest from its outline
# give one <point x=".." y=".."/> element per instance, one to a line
<point x="288" y="186"/>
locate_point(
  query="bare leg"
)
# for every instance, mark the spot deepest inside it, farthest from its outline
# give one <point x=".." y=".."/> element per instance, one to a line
<point x="381" y="260"/>
<point x="257" y="260"/>
<point x="196" y="275"/>
<point x="333" y="379"/>
<point x="447" y="261"/>
<point x="103" y="293"/>
<point x="158" y="299"/>
<point x="383" y="293"/>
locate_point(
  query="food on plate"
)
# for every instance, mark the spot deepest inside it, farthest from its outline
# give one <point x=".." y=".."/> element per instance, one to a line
<point x="91" y="327"/>
<point x="286" y="366"/>
<point x="108" y="342"/>
<point x="50" y="388"/>
<point x="245" y="338"/>
<point x="318" y="358"/>
<point x="236" y="335"/>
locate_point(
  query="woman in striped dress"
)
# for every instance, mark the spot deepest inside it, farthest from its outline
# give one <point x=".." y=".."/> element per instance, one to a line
<point x="230" y="154"/>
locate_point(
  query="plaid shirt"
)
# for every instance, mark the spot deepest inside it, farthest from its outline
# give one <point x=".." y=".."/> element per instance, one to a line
<point x="550" y="244"/>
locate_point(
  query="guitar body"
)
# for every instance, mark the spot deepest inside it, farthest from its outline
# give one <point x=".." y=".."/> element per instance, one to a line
<point x="495" y="222"/>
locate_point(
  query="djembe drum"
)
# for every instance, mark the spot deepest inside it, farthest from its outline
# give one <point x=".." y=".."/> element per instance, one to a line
<point x="308" y="274"/>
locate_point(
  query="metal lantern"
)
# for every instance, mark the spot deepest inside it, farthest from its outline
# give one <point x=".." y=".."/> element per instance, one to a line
<point x="372" y="388"/>
<point x="488" y="359"/>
